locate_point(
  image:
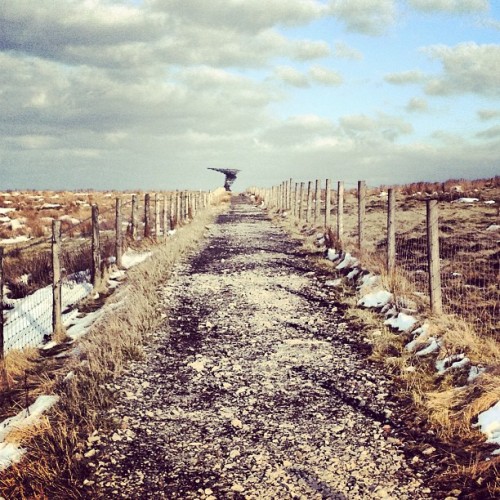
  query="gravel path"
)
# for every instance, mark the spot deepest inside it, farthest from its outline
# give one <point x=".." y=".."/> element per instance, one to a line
<point x="257" y="391"/>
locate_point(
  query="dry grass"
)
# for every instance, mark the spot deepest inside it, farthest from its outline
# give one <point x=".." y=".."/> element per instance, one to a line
<point x="53" y="466"/>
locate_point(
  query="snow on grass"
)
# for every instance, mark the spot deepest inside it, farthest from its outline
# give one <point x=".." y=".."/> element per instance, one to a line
<point x="334" y="283"/>
<point x="402" y="322"/>
<point x="432" y="346"/>
<point x="493" y="227"/>
<point x="421" y="335"/>
<point x="132" y="258"/>
<point x="451" y="363"/>
<point x="6" y="210"/>
<point x="48" y="206"/>
<point x="12" y="452"/>
<point x="348" y="262"/>
<point x="13" y="241"/>
<point x="376" y="299"/>
<point x="474" y="372"/>
<point x="30" y="320"/>
<point x="467" y="200"/>
<point x="332" y="254"/>
<point x="489" y="424"/>
<point x="81" y="325"/>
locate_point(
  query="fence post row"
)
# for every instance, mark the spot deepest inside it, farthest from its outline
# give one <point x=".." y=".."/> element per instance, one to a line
<point x="433" y="257"/>
<point x="317" y="201"/>
<point x="96" y="248"/>
<point x="1" y="305"/>
<point x="391" y="231"/>
<point x="56" y="279"/>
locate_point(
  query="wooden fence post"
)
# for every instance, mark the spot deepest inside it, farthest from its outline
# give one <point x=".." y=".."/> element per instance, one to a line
<point x="290" y="195"/>
<point x="296" y="200"/>
<point x="147" y="215"/>
<point x="56" y="279"/>
<point x="96" y="249"/>
<point x="317" y="202"/>
<point x="133" y="218"/>
<point x="177" y="211"/>
<point x="391" y="231"/>
<point x="309" y="201"/>
<point x="340" y="212"/>
<point x="328" y="202"/>
<point x="118" y="230"/>
<point x="157" y="216"/>
<point x="433" y="257"/>
<point x="301" y="200"/>
<point x="166" y="217"/>
<point x="361" y="214"/>
<point x="2" y="343"/>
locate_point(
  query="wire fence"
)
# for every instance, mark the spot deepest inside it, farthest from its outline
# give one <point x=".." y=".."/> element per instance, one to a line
<point x="43" y="282"/>
<point x="467" y="227"/>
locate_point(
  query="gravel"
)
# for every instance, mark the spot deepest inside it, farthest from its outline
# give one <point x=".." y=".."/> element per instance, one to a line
<point x="254" y="388"/>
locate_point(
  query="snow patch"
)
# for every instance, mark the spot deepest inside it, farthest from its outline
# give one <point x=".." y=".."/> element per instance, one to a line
<point x="433" y="346"/>
<point x="332" y="254"/>
<point x="489" y="424"/>
<point x="131" y="258"/>
<point x="402" y="322"/>
<point x="467" y="200"/>
<point x="13" y="241"/>
<point x="347" y="262"/>
<point x="451" y="363"/>
<point x="376" y="299"/>
<point x="12" y="452"/>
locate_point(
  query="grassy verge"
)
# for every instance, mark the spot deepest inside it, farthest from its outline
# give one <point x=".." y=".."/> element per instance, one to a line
<point x="54" y="465"/>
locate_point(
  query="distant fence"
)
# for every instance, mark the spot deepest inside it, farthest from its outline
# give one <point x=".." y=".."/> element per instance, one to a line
<point x="50" y="276"/>
<point x="445" y="254"/>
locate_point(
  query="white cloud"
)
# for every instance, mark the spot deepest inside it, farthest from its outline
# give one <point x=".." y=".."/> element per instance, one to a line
<point x="467" y="68"/>
<point x="344" y="51"/>
<point x="325" y="76"/>
<point x="315" y="75"/>
<point x="405" y="77"/>
<point x="450" y="6"/>
<point x="370" y="17"/>
<point x="242" y="15"/>
<point x="381" y="128"/>
<point x="490" y="133"/>
<point x="417" y="104"/>
<point x="291" y="76"/>
<point x="488" y="114"/>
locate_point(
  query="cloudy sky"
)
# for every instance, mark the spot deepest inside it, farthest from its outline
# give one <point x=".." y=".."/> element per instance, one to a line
<point x="126" y="94"/>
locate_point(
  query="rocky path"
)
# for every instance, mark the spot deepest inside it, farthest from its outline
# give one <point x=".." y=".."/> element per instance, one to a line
<point x="254" y="389"/>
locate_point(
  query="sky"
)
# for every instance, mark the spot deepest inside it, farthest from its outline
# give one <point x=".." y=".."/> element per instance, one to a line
<point x="148" y="94"/>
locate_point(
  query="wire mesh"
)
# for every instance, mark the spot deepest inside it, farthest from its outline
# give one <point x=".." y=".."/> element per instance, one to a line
<point x="469" y="246"/>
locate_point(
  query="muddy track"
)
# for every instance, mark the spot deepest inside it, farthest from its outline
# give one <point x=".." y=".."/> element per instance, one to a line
<point x="255" y="387"/>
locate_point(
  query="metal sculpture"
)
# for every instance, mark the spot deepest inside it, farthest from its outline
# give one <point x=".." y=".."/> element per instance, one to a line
<point x="230" y="174"/>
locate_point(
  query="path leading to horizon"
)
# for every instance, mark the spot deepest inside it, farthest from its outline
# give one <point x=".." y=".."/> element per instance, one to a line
<point x="255" y="388"/>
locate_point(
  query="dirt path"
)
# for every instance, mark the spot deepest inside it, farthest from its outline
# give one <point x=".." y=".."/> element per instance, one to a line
<point x="258" y="390"/>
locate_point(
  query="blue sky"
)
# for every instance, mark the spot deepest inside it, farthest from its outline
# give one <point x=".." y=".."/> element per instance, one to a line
<point x="111" y="94"/>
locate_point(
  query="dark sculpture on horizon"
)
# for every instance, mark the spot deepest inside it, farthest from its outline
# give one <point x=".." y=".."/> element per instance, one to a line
<point x="230" y="174"/>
